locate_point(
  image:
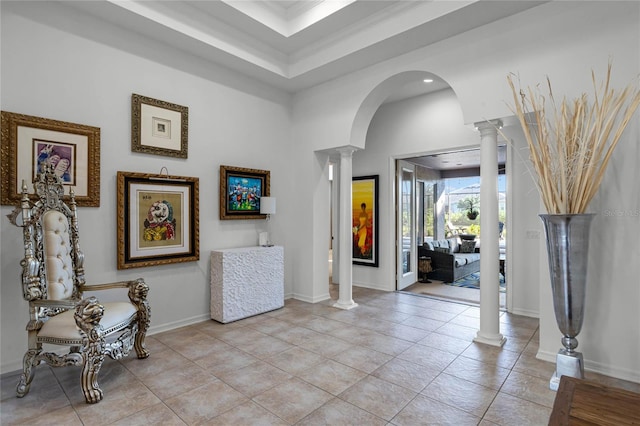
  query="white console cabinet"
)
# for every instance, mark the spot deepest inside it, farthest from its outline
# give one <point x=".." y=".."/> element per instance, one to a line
<point x="246" y="281"/>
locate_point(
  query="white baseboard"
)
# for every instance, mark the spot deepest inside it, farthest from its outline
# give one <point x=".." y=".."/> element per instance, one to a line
<point x="597" y="367"/>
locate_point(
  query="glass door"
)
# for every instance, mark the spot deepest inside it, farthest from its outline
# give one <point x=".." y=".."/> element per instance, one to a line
<point x="406" y="224"/>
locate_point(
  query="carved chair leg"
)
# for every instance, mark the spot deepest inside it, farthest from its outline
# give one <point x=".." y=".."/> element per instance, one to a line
<point x="138" y="291"/>
<point x="29" y="364"/>
<point x="89" y="379"/>
<point x="87" y="316"/>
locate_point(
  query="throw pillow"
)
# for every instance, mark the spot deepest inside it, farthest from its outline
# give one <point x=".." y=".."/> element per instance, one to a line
<point x="442" y="249"/>
<point x="468" y="247"/>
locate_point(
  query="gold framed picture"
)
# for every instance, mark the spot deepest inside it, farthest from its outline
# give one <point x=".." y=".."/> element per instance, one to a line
<point x="240" y="192"/>
<point x="158" y="219"/>
<point x="31" y="143"/>
<point x="159" y="127"/>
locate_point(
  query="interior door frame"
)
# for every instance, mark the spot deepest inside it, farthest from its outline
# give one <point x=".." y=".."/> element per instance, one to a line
<point x="403" y="280"/>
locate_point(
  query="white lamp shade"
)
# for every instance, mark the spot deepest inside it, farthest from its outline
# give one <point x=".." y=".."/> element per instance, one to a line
<point x="267" y="205"/>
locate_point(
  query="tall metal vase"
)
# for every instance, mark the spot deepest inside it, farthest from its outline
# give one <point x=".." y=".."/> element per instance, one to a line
<point x="568" y="249"/>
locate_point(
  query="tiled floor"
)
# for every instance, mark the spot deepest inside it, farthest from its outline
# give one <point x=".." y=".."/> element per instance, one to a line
<point x="396" y="359"/>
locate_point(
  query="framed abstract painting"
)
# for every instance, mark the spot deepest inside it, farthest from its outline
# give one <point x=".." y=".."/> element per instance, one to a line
<point x="240" y="192"/>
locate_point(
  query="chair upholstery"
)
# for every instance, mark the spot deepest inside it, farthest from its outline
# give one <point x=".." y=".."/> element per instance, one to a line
<point x="53" y="283"/>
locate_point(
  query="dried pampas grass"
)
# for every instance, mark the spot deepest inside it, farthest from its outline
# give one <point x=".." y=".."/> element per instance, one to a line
<point x="571" y="148"/>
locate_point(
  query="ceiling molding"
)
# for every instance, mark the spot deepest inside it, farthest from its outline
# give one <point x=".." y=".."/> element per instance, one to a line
<point x="294" y="44"/>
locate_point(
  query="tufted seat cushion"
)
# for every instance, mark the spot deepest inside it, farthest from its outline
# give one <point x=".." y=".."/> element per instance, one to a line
<point x="57" y="250"/>
<point x="63" y="326"/>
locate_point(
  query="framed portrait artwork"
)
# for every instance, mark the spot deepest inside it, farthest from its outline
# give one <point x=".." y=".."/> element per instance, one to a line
<point x="364" y="193"/>
<point x="159" y="127"/>
<point x="240" y="192"/>
<point x="158" y="220"/>
<point x="29" y="144"/>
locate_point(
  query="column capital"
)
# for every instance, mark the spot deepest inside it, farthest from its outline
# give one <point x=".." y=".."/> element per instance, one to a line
<point x="489" y="127"/>
<point x="346" y="151"/>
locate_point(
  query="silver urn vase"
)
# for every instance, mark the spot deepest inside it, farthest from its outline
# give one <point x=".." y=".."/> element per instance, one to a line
<point x="568" y="249"/>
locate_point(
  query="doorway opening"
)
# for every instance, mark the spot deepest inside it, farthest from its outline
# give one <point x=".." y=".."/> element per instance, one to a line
<point x="447" y="225"/>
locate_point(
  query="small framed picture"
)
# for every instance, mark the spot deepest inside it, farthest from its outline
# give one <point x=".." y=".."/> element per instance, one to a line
<point x="29" y="144"/>
<point x="157" y="219"/>
<point x="159" y="127"/>
<point x="240" y="192"/>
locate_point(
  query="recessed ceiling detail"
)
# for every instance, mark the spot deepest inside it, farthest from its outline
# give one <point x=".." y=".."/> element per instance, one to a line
<point x="293" y="45"/>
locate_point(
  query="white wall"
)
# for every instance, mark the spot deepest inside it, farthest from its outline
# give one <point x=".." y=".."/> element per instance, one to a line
<point x="48" y="72"/>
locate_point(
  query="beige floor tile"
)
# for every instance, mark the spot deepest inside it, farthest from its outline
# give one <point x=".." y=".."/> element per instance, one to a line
<point x="379" y="397"/>
<point x="271" y="326"/>
<point x="528" y="387"/>
<point x="157" y="363"/>
<point x="460" y="393"/>
<point x="121" y="399"/>
<point x="206" y="402"/>
<point x="325" y="345"/>
<point x="363" y="359"/>
<point x="386" y="344"/>
<point x="337" y="412"/>
<point x="295" y="360"/>
<point x="405" y="332"/>
<point x="255" y="378"/>
<point x="278" y="399"/>
<point x="423" y="323"/>
<point x="178" y="380"/>
<point x="429" y="357"/>
<point x="158" y="414"/>
<point x="491" y="355"/>
<point x="265" y="346"/>
<point x="45" y="396"/>
<point x="508" y="410"/>
<point x="466" y="321"/>
<point x="227" y="358"/>
<point x="458" y="331"/>
<point x="248" y="413"/>
<point x="66" y="416"/>
<point x="445" y="343"/>
<point x="529" y="364"/>
<point x="488" y="375"/>
<point x="407" y="374"/>
<point x="426" y="411"/>
<point x="332" y="376"/>
<point x="296" y="335"/>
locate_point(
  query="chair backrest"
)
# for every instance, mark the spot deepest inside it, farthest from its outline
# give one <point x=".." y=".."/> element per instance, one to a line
<point x="52" y="267"/>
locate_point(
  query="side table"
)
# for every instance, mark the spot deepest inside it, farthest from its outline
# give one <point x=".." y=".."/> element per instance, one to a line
<point x="424" y="267"/>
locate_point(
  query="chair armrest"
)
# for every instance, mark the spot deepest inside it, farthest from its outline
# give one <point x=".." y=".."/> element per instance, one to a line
<point x="53" y="304"/>
<point x="109" y="286"/>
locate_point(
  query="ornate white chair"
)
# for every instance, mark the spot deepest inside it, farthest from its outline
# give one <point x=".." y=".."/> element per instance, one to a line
<point x="53" y="282"/>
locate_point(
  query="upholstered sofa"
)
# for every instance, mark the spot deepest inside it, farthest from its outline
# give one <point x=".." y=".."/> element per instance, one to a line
<point x="451" y="259"/>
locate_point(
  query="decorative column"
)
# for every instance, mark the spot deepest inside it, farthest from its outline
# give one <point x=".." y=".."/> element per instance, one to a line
<point x="489" y="332"/>
<point x="345" y="237"/>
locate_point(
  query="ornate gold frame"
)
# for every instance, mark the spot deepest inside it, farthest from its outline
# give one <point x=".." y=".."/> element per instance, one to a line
<point x="227" y="172"/>
<point x="138" y="249"/>
<point x="176" y="116"/>
<point x="17" y="165"/>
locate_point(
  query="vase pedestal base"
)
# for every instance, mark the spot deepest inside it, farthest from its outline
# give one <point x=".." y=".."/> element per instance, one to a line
<point x="567" y="365"/>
